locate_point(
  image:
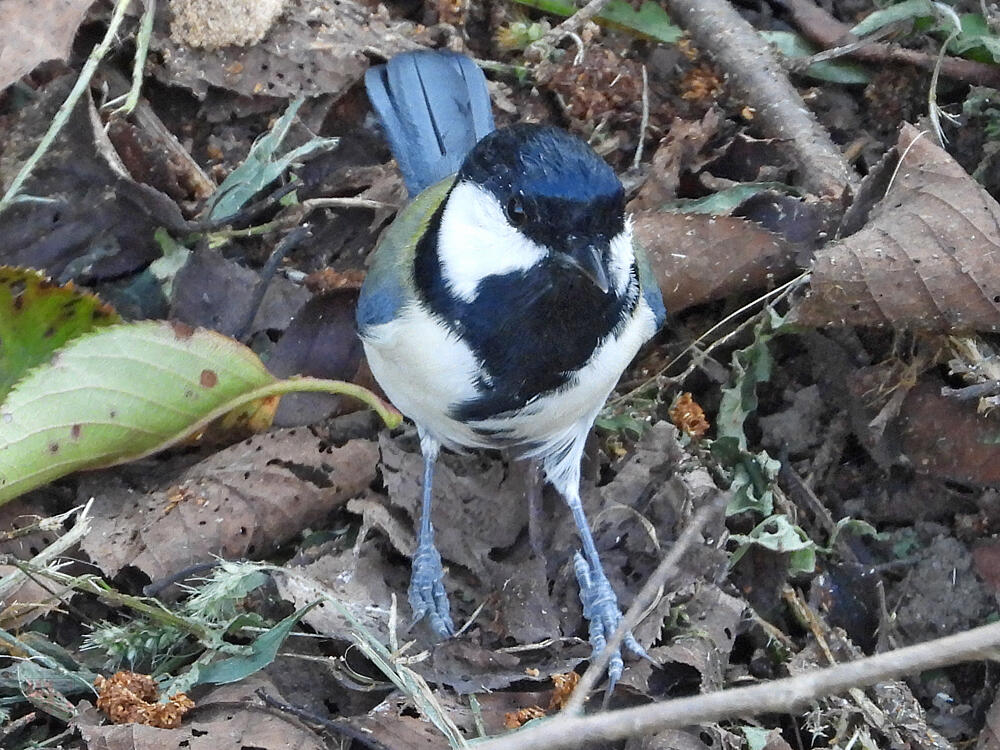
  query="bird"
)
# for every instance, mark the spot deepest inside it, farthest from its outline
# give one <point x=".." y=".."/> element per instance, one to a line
<point x="504" y="301"/>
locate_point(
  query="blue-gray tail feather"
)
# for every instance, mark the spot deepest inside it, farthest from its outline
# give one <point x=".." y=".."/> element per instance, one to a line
<point x="434" y="107"/>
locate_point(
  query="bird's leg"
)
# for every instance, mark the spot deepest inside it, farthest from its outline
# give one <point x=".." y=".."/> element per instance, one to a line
<point x="427" y="595"/>
<point x="600" y="605"/>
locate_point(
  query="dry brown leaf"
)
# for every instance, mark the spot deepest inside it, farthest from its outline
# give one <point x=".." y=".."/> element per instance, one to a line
<point x="229" y="717"/>
<point x="947" y="439"/>
<point x="240" y="502"/>
<point x="699" y="258"/>
<point x="677" y="152"/>
<point x="391" y="724"/>
<point x="928" y="258"/>
<point x="362" y="583"/>
<point x="313" y="49"/>
<point x="35" y="31"/>
<point x="478" y="505"/>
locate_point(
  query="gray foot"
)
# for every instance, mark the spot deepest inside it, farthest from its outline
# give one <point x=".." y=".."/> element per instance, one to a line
<point x="427" y="595"/>
<point x="600" y="607"/>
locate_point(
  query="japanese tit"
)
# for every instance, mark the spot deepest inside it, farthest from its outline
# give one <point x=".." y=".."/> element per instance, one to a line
<point x="504" y="302"/>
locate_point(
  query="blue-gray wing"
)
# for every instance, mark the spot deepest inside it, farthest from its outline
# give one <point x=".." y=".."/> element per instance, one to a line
<point x="434" y="107"/>
<point x="389" y="283"/>
<point x="648" y="284"/>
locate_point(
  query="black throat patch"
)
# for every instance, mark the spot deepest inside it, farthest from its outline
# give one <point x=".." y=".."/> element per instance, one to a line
<point x="532" y="330"/>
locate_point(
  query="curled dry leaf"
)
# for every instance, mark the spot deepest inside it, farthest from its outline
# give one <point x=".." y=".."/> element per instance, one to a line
<point x="699" y="258"/>
<point x="928" y="258"/>
<point x="240" y="502"/>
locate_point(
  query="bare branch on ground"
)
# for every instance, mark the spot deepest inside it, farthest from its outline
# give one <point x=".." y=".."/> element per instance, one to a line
<point x="756" y="75"/>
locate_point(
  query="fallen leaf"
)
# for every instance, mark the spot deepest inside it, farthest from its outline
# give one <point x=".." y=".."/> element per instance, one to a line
<point x="95" y="222"/>
<point x="243" y="501"/>
<point x="229" y="717"/>
<point x="700" y="258"/>
<point x="928" y="258"/>
<point x="321" y="341"/>
<point x="946" y="438"/>
<point x="124" y="392"/>
<point x="37" y="317"/>
<point x="36" y="31"/>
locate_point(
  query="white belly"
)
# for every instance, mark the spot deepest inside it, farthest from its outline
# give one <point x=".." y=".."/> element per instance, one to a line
<point x="425" y="370"/>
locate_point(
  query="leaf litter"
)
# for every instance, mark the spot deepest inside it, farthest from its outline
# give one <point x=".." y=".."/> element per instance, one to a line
<point x="826" y="415"/>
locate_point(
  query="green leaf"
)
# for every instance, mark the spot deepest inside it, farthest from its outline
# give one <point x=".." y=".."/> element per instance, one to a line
<point x="976" y="40"/>
<point x="778" y="534"/>
<point x="37" y="317"/>
<point x="898" y="12"/>
<point x="651" y="20"/>
<point x="750" y="367"/>
<point x="262" y="166"/>
<point x="165" y="268"/>
<point x="792" y="45"/>
<point x="124" y="392"/>
<point x="258" y="654"/>
<point x="622" y="423"/>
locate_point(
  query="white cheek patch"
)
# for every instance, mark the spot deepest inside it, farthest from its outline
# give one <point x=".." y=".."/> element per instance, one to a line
<point x="477" y="241"/>
<point x="621" y="256"/>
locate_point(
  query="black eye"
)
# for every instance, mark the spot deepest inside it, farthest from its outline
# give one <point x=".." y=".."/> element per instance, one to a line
<point x="516" y="214"/>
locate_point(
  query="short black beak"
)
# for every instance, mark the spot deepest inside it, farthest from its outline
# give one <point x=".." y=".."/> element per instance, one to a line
<point x="588" y="262"/>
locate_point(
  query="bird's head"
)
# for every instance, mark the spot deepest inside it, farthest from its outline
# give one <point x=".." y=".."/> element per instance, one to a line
<point x="531" y="196"/>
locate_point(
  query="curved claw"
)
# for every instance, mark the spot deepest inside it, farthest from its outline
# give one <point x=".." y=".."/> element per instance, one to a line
<point x="600" y="607"/>
<point x="427" y="595"/>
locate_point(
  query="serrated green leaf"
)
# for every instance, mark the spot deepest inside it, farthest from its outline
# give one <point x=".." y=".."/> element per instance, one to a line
<point x="792" y="45"/>
<point x="750" y="367"/>
<point x="37" y="317"/>
<point x="258" y="655"/>
<point x="778" y="534"/>
<point x="124" y="392"/>
<point x="899" y="12"/>
<point x="262" y="166"/>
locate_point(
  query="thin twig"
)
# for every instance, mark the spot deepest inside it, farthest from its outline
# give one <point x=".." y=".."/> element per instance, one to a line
<point x="645" y="597"/>
<point x="776" y="696"/>
<point x="644" y="122"/>
<point x="66" y="108"/>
